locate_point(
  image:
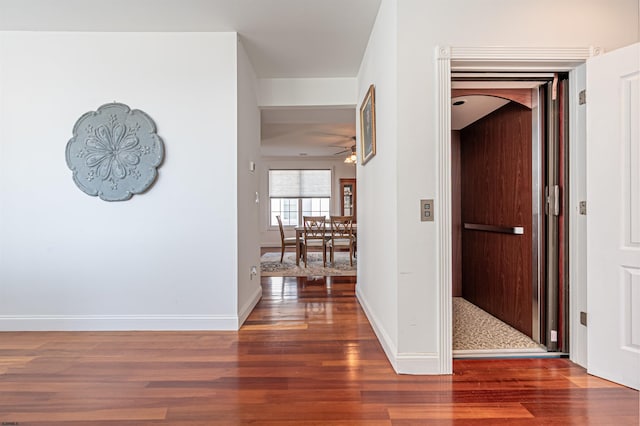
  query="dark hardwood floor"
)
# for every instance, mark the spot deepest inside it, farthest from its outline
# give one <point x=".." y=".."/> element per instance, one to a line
<point x="306" y="356"/>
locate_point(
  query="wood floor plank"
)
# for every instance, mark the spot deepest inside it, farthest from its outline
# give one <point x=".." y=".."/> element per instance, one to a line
<point x="477" y="411"/>
<point x="591" y="382"/>
<point x="279" y="412"/>
<point x="139" y="414"/>
<point x="306" y="355"/>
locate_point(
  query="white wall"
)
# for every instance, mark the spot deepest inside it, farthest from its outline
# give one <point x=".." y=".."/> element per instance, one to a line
<point x="288" y="92"/>
<point x="410" y="153"/>
<point x="166" y="259"/>
<point x="270" y="235"/>
<point x="249" y="289"/>
<point x="377" y="287"/>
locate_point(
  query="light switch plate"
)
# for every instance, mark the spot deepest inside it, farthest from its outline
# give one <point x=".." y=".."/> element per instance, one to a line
<point x="426" y="210"/>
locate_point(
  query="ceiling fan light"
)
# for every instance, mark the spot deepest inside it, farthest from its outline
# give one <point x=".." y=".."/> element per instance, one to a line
<point x="351" y="159"/>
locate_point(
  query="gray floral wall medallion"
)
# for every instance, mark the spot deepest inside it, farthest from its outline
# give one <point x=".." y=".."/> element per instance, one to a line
<point x="114" y="152"/>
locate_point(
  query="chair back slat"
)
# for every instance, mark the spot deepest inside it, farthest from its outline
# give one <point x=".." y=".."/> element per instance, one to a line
<point x="342" y="235"/>
<point x="315" y="227"/>
<point x="341" y="227"/>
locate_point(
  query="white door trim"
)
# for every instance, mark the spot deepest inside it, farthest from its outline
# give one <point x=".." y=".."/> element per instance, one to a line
<point x="450" y="58"/>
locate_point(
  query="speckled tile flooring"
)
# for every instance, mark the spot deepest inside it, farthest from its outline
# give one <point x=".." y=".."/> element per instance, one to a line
<point x="475" y="329"/>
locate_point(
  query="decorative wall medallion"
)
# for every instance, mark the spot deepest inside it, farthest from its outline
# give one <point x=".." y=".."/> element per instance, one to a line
<point x="114" y="152"/>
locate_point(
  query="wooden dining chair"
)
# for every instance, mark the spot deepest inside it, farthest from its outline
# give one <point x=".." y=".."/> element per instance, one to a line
<point x="342" y="236"/>
<point x="314" y="236"/>
<point x="284" y="241"/>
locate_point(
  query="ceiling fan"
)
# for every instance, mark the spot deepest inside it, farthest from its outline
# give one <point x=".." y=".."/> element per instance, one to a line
<point x="340" y="143"/>
<point x="352" y="148"/>
<point x="352" y="157"/>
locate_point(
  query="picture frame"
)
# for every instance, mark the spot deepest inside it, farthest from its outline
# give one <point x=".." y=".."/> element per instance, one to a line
<point x="368" y="126"/>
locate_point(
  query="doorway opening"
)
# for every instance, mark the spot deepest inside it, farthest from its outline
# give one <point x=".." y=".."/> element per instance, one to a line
<point x="305" y="169"/>
<point x="509" y="231"/>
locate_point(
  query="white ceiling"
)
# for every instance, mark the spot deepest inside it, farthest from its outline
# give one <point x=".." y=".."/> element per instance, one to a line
<point x="473" y="109"/>
<point x="308" y="132"/>
<point x="283" y="38"/>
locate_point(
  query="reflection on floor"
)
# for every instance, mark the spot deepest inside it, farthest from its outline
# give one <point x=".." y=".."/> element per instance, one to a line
<point x="292" y="303"/>
<point x="475" y="330"/>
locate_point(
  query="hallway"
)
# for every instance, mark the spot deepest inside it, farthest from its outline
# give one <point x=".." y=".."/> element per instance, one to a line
<point x="306" y="355"/>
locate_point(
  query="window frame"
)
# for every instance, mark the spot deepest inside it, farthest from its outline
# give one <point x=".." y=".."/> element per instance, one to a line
<point x="298" y="199"/>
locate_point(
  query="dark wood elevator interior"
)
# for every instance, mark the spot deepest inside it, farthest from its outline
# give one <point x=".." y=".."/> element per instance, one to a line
<point x="500" y="213"/>
<point x="495" y="189"/>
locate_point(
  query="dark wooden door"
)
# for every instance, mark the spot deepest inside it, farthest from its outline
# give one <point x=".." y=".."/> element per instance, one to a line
<point x="496" y="189"/>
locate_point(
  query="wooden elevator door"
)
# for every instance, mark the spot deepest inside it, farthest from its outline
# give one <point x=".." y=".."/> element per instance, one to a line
<point x="496" y="190"/>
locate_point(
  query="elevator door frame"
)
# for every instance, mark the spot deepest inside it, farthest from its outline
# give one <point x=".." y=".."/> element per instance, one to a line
<point x="500" y="59"/>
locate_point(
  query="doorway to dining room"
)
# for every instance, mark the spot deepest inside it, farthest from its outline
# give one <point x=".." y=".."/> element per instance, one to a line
<point x="508" y="151"/>
<point x="306" y="169"/>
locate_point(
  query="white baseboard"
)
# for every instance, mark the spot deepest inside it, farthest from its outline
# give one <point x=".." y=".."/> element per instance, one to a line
<point x="402" y="363"/>
<point x="387" y="344"/>
<point x="418" y="363"/>
<point x="130" y="322"/>
<point x="246" y="309"/>
<point x="117" y="322"/>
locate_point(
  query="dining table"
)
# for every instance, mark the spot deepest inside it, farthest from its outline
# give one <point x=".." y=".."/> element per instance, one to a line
<point x="300" y="231"/>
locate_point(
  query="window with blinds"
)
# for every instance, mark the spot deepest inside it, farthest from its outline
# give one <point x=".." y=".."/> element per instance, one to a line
<point x="297" y="193"/>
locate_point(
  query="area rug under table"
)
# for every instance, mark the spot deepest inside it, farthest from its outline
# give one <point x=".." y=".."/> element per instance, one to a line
<point x="270" y="265"/>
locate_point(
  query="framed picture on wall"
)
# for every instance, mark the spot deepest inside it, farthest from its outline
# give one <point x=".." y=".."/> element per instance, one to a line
<point x="368" y="126"/>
